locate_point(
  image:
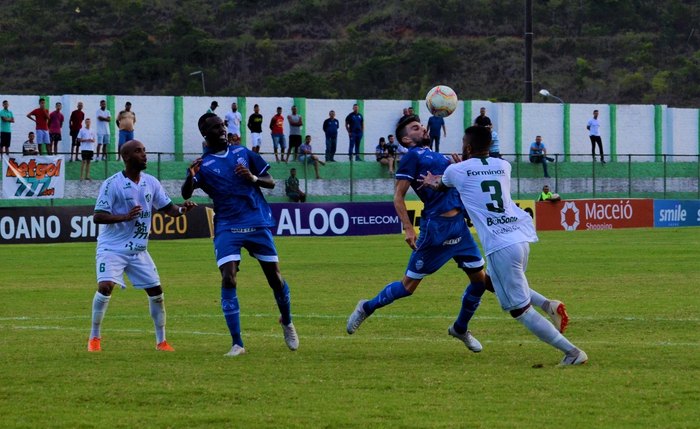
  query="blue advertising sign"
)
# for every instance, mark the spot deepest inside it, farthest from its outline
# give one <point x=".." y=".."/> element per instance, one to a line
<point x="671" y="213"/>
<point x="335" y="219"/>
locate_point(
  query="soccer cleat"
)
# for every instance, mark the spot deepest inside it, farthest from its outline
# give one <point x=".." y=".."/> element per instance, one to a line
<point x="290" y="335"/>
<point x="575" y="357"/>
<point x="467" y="338"/>
<point x="557" y="313"/>
<point x="165" y="347"/>
<point x="357" y="317"/>
<point x="94" y="344"/>
<point x="236" y="350"/>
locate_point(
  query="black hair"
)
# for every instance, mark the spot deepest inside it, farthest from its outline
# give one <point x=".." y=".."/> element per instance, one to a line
<point x="401" y="126"/>
<point x="480" y="138"/>
<point x="203" y="120"/>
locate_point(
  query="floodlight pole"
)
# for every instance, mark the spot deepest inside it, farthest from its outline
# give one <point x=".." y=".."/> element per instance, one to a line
<point x="201" y="73"/>
<point x="545" y="93"/>
<point x="528" y="51"/>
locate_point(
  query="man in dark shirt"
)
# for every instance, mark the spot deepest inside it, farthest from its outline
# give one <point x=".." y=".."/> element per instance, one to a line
<point x="255" y="126"/>
<point x="355" y="126"/>
<point x="291" y="188"/>
<point x="330" y="127"/>
<point x="75" y="123"/>
<point x="482" y="120"/>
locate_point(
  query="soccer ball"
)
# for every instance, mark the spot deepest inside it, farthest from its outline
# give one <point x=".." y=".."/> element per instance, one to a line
<point x="441" y="101"/>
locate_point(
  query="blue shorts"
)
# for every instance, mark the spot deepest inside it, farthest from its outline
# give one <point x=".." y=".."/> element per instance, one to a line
<point x="125" y="136"/>
<point x="442" y="239"/>
<point x="258" y="242"/>
<point x="305" y="158"/>
<point x="278" y="141"/>
<point x="42" y="137"/>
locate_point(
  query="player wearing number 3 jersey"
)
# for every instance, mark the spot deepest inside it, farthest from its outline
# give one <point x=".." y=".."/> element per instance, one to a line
<point x="505" y="231"/>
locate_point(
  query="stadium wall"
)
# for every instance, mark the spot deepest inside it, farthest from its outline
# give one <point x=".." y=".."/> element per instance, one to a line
<point x="626" y="129"/>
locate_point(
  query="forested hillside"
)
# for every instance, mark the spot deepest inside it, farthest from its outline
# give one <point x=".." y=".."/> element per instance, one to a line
<point x="616" y="51"/>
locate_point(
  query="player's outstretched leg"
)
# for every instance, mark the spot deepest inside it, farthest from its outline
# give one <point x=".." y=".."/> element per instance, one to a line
<point x="100" y="303"/>
<point x="231" y="310"/>
<point x="470" y="302"/>
<point x="556" y="310"/>
<point x="546" y="332"/>
<point x="364" y="309"/>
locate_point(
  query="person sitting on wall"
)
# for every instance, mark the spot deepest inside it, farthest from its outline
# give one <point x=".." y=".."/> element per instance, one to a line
<point x="384" y="156"/>
<point x="547" y="195"/>
<point x="538" y="154"/>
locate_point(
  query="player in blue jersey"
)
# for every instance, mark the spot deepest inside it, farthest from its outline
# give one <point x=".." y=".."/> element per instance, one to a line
<point x="444" y="235"/>
<point x="232" y="177"/>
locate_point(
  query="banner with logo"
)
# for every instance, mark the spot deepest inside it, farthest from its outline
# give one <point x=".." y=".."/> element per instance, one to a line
<point x="595" y="214"/>
<point x="672" y="213"/>
<point x="41" y="177"/>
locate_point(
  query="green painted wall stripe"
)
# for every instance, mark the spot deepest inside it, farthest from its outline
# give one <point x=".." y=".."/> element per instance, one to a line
<point x="178" y="115"/>
<point x="658" y="131"/>
<point x="567" y="132"/>
<point x="518" y="128"/>
<point x="361" y="110"/>
<point x="415" y="104"/>
<point x="613" y="132"/>
<point x="243" y="109"/>
<point x="467" y="120"/>
<point x="111" y="106"/>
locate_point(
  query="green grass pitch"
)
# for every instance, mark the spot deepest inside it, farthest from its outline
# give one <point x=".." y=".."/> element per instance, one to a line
<point x="633" y="296"/>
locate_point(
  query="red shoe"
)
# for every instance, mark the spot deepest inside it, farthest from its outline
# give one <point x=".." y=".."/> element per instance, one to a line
<point x="94" y="345"/>
<point x="164" y="347"/>
<point x="557" y="313"/>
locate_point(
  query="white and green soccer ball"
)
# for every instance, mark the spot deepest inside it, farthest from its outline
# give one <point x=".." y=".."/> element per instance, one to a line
<point x="441" y="101"/>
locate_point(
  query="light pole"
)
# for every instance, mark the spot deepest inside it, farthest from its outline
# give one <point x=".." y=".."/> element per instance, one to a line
<point x="201" y="73"/>
<point x="545" y="93"/>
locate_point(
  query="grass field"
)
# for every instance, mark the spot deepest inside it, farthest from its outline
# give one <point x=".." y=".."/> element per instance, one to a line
<point x="633" y="296"/>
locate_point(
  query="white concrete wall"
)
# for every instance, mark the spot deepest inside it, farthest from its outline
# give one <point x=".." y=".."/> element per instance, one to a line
<point x="155" y="126"/>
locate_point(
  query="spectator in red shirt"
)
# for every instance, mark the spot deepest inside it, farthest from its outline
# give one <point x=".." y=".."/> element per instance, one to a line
<point x="55" y="125"/>
<point x="75" y="123"/>
<point x="277" y="128"/>
<point x="41" y="117"/>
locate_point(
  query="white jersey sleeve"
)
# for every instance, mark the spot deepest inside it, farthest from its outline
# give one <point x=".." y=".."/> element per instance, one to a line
<point x="484" y="188"/>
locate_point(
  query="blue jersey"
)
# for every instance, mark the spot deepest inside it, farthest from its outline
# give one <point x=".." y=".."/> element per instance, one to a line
<point x="355" y="122"/>
<point x="435" y="124"/>
<point x="419" y="160"/>
<point x="238" y="203"/>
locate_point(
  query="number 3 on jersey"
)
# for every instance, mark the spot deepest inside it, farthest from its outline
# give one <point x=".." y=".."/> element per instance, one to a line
<point x="493" y="188"/>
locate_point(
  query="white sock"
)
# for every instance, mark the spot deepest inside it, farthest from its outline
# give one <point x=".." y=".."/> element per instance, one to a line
<point x="544" y="330"/>
<point x="157" y="309"/>
<point x="538" y="300"/>
<point x="99" y="308"/>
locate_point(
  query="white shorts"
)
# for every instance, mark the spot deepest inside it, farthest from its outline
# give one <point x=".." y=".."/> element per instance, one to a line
<point x="506" y="267"/>
<point x="255" y="139"/>
<point x="139" y="268"/>
<point x="103" y="139"/>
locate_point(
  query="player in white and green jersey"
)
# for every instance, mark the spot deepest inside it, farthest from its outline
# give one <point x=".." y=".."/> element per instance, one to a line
<point x="505" y="231"/>
<point x="123" y="210"/>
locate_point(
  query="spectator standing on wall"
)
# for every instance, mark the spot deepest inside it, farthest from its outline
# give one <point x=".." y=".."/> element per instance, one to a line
<point x="255" y="121"/>
<point x="277" y="132"/>
<point x="87" y="139"/>
<point x="30" y="147"/>
<point x="330" y="128"/>
<point x="214" y="104"/>
<point x="355" y="126"/>
<point x="295" y="123"/>
<point x="126" y="119"/>
<point x="75" y="123"/>
<point x="435" y="125"/>
<point x="593" y="128"/>
<point x="104" y="117"/>
<point x="40" y="116"/>
<point x="6" y="121"/>
<point x="55" y="125"/>
<point x="482" y="120"/>
<point x="538" y="154"/>
<point x="233" y="120"/>
<point x="291" y="188"/>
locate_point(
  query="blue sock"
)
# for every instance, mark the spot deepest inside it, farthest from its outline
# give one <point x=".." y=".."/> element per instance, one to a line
<point x="284" y="303"/>
<point x="389" y="294"/>
<point x="470" y="302"/>
<point x="229" y="305"/>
